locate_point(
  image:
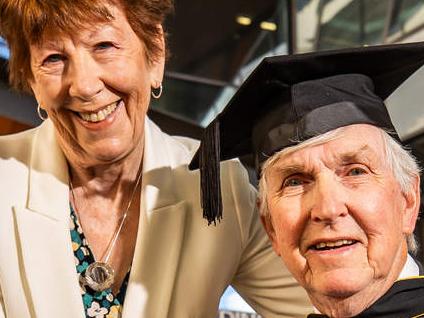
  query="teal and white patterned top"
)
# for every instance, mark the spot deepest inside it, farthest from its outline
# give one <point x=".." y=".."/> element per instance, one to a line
<point x="96" y="304"/>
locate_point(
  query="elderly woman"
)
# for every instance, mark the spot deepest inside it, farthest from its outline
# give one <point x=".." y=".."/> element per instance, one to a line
<point x="99" y="215"/>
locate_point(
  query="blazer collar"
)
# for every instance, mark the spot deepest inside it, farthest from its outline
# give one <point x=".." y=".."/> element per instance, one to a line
<point x="48" y="191"/>
<point x="158" y="181"/>
<point x="160" y="233"/>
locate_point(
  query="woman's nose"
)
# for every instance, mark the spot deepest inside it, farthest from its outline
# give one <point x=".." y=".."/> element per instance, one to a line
<point x="328" y="200"/>
<point x="84" y="78"/>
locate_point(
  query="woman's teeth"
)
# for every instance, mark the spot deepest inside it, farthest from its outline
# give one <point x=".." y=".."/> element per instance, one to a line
<point x="101" y="114"/>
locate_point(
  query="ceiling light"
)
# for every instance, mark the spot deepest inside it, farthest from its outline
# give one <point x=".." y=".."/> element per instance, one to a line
<point x="268" y="26"/>
<point x="243" y="20"/>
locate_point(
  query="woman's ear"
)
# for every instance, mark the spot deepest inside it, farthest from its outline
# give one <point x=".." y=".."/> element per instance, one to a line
<point x="32" y="85"/>
<point x="157" y="63"/>
<point x="412" y="207"/>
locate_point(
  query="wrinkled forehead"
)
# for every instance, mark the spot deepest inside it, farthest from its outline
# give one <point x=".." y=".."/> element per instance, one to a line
<point x="87" y="32"/>
<point x="359" y="141"/>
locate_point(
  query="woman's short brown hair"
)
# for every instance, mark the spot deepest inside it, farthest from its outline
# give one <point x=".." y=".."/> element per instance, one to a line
<point x="25" y="22"/>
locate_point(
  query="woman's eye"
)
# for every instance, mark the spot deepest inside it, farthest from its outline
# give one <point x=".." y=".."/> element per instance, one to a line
<point x="104" y="45"/>
<point x="53" y="58"/>
<point x="356" y="171"/>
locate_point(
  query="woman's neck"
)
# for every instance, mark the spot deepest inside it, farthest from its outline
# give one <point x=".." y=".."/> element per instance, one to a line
<point x="101" y="177"/>
<point x="112" y="182"/>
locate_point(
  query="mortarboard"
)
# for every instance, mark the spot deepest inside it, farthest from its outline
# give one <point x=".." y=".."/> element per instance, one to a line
<point x="289" y="99"/>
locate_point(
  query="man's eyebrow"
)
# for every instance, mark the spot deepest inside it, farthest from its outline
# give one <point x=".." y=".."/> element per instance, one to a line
<point x="361" y="154"/>
<point x="289" y="169"/>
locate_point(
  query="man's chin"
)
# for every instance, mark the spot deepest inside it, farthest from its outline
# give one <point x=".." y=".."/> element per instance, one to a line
<point x="338" y="296"/>
<point x="341" y="284"/>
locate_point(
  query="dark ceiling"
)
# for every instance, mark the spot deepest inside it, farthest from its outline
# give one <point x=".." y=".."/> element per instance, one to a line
<point x="205" y="39"/>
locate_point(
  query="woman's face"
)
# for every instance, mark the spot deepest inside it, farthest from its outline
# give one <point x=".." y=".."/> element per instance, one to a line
<point x="95" y="86"/>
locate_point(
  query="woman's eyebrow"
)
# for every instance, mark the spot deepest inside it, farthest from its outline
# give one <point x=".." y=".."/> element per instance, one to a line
<point x="105" y="28"/>
<point x="50" y="44"/>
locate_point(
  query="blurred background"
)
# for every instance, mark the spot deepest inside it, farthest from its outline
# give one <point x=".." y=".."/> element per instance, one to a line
<point x="215" y="44"/>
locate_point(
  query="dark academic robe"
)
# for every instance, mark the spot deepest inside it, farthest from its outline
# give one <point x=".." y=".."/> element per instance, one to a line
<point x="405" y="299"/>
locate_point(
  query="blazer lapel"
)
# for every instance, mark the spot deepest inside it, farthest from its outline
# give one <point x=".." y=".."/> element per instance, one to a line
<point x="48" y="265"/>
<point x="160" y="234"/>
<point x="44" y="236"/>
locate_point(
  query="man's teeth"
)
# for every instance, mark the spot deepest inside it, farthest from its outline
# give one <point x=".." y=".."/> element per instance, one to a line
<point x="327" y="245"/>
<point x="100" y="115"/>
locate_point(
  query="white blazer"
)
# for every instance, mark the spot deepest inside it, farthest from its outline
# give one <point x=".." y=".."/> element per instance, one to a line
<point x="181" y="266"/>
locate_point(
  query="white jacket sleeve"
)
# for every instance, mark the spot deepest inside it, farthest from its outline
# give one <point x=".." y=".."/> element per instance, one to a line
<point x="2" y="310"/>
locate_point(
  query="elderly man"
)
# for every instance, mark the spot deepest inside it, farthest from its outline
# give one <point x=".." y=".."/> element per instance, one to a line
<point x="340" y="210"/>
<point x="339" y="196"/>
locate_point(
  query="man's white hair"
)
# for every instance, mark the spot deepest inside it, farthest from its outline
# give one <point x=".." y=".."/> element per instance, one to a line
<point x="403" y="164"/>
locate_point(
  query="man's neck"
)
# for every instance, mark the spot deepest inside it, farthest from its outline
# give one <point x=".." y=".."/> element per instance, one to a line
<point x="410" y="268"/>
<point x="358" y="302"/>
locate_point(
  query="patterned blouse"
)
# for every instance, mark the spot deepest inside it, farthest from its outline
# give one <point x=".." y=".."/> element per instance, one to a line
<point x="96" y="304"/>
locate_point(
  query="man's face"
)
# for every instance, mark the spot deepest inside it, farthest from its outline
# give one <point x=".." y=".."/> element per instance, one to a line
<point x="338" y="217"/>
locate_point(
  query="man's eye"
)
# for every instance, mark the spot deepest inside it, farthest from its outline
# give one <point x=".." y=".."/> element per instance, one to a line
<point x="53" y="58"/>
<point x="356" y="171"/>
<point x="292" y="182"/>
<point x="104" y="45"/>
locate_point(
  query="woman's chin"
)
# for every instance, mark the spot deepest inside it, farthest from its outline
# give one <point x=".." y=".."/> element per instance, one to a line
<point x="106" y="155"/>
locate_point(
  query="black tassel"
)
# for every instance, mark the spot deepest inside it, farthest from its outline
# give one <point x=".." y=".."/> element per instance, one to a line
<point x="209" y="161"/>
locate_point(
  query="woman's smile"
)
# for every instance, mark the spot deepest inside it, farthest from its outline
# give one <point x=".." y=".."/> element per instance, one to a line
<point x="101" y="114"/>
<point x="102" y="118"/>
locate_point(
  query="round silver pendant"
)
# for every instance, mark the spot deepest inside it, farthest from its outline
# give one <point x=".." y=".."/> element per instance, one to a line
<point x="99" y="276"/>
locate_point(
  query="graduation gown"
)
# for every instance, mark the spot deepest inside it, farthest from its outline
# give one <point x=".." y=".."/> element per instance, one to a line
<point x="405" y="299"/>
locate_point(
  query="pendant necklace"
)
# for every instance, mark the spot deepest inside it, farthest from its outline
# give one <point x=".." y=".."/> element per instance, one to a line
<point x="99" y="275"/>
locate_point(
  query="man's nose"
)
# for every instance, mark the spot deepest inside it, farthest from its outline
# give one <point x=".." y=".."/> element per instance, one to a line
<point x="85" y="80"/>
<point x="328" y="200"/>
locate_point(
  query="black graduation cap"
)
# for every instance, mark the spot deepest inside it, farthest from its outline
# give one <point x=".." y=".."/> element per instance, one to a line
<point x="291" y="98"/>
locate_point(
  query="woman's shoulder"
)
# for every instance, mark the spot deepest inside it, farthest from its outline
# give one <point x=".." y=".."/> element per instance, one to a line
<point x="18" y="143"/>
<point x="179" y="146"/>
<point x="15" y="160"/>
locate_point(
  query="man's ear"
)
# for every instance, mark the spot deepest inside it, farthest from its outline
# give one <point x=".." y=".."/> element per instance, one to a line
<point x="412" y="207"/>
<point x="269" y="228"/>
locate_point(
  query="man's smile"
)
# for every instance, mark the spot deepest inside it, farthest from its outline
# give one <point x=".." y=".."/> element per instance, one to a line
<point x="332" y="244"/>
